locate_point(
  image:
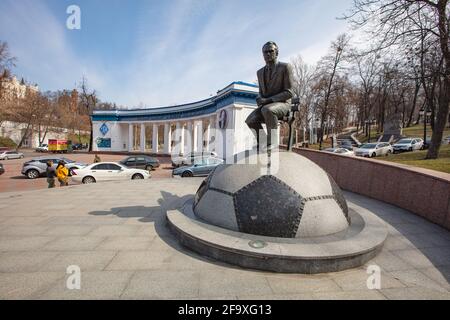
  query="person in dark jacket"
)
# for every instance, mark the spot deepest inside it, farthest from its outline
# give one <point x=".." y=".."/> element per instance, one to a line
<point x="51" y="174"/>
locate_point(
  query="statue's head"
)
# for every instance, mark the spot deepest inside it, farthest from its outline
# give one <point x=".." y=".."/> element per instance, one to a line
<point x="270" y="52"/>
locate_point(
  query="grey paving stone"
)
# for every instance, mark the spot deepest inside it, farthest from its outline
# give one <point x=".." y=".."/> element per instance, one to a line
<point x="350" y="295"/>
<point x="440" y="275"/>
<point x="233" y="283"/>
<point x="415" y="278"/>
<point x="27" y="285"/>
<point x="389" y="262"/>
<point x="398" y="243"/>
<point x="94" y="285"/>
<point x="28" y="261"/>
<point x="352" y="280"/>
<point x="125" y="243"/>
<point x="415" y="293"/>
<point x="86" y="260"/>
<point x="159" y="284"/>
<point x="139" y="260"/>
<point x="24" y="221"/>
<point x="298" y="296"/>
<point x="24" y="230"/>
<point x="414" y="257"/>
<point x="23" y="243"/>
<point x="74" y="243"/>
<point x="301" y="284"/>
<point x="67" y="230"/>
<point x="120" y="230"/>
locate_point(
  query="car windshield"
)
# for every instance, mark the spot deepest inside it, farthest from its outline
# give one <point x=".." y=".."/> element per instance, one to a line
<point x="368" y="146"/>
<point x="405" y="141"/>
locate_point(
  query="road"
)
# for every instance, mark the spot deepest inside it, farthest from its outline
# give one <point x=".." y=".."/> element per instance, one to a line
<point x="12" y="180"/>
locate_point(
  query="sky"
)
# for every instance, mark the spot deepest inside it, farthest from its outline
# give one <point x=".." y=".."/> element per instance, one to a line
<point x="162" y="52"/>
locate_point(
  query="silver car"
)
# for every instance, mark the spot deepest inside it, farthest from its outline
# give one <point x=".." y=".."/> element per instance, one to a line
<point x="37" y="167"/>
<point x="10" y="154"/>
<point x="372" y="150"/>
<point x="201" y="167"/>
<point x="408" y="144"/>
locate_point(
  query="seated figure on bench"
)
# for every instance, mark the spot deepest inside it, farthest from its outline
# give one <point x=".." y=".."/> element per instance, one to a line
<point x="275" y="94"/>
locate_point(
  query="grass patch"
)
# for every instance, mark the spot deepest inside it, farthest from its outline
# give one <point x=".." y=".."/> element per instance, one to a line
<point x="417" y="159"/>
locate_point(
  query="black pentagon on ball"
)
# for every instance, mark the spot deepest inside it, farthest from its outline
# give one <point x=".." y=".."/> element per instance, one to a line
<point x="268" y="207"/>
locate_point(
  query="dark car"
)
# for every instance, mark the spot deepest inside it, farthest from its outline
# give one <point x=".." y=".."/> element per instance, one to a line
<point x="141" y="162"/>
<point x="2" y="170"/>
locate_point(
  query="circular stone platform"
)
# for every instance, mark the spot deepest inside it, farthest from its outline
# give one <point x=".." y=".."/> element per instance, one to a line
<point x="282" y="213"/>
<point x="347" y="249"/>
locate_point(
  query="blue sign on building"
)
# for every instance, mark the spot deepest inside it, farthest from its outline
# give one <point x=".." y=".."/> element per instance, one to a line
<point x="104" y="129"/>
<point x="103" y="143"/>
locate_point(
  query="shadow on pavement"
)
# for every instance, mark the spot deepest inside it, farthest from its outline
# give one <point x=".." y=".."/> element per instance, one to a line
<point x="157" y="215"/>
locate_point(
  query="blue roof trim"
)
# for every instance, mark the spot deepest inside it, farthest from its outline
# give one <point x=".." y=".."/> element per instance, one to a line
<point x="211" y="106"/>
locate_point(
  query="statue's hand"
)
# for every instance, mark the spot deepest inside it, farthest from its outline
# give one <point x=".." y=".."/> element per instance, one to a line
<point x="262" y="101"/>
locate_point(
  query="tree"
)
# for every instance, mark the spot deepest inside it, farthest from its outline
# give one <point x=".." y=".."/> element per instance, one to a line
<point x="398" y="23"/>
<point x="326" y="75"/>
<point x="6" y="63"/>
<point x="88" y="100"/>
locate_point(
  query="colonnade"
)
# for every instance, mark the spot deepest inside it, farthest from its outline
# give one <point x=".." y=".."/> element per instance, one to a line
<point x="179" y="136"/>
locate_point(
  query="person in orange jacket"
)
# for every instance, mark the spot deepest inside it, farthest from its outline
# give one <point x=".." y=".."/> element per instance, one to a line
<point x="62" y="173"/>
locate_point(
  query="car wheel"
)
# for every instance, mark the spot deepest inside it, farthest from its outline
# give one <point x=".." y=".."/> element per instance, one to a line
<point x="137" y="176"/>
<point x="21" y="157"/>
<point x="373" y="155"/>
<point x="149" y="168"/>
<point x="410" y="149"/>
<point x="5" y="158"/>
<point x="32" y="174"/>
<point x="187" y="174"/>
<point x="388" y="153"/>
<point x="88" y="179"/>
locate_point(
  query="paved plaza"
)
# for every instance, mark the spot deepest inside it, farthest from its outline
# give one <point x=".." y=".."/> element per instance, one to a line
<point x="116" y="233"/>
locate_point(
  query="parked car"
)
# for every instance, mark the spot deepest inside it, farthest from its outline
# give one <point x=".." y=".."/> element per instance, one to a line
<point x="374" y="149"/>
<point x="201" y="167"/>
<point x="2" y="169"/>
<point x="189" y="158"/>
<point x="37" y="167"/>
<point x="10" y="154"/>
<point x="42" y="148"/>
<point x="141" y="162"/>
<point x="408" y="144"/>
<point x="108" y="171"/>
<point x="341" y="151"/>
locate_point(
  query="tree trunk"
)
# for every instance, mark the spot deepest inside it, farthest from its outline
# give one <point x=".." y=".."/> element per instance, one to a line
<point x="91" y="136"/>
<point x="416" y="93"/>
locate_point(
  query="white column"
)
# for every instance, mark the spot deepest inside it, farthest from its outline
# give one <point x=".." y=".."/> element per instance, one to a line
<point x="130" y="137"/>
<point x="142" y="137"/>
<point x="167" y="138"/>
<point x="179" y="138"/>
<point x="188" y="139"/>
<point x="208" y="134"/>
<point x="155" y="138"/>
<point x="199" y="141"/>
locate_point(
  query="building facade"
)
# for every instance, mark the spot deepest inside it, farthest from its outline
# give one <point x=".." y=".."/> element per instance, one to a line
<point x="215" y="124"/>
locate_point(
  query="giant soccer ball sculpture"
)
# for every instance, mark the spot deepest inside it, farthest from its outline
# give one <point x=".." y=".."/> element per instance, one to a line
<point x="297" y="200"/>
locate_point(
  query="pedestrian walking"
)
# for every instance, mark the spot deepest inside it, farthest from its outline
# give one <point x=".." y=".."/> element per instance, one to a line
<point x="62" y="173"/>
<point x="97" y="159"/>
<point x="51" y="174"/>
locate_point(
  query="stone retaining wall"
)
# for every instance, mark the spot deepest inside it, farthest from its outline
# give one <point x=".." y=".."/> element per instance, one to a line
<point x="424" y="192"/>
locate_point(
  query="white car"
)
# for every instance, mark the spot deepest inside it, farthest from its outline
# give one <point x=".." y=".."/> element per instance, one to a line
<point x="408" y="144"/>
<point x="108" y="171"/>
<point x="372" y="150"/>
<point x="42" y="148"/>
<point x="341" y="151"/>
<point x="10" y="154"/>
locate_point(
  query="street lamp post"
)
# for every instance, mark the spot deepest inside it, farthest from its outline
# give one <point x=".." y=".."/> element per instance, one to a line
<point x="425" y="115"/>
